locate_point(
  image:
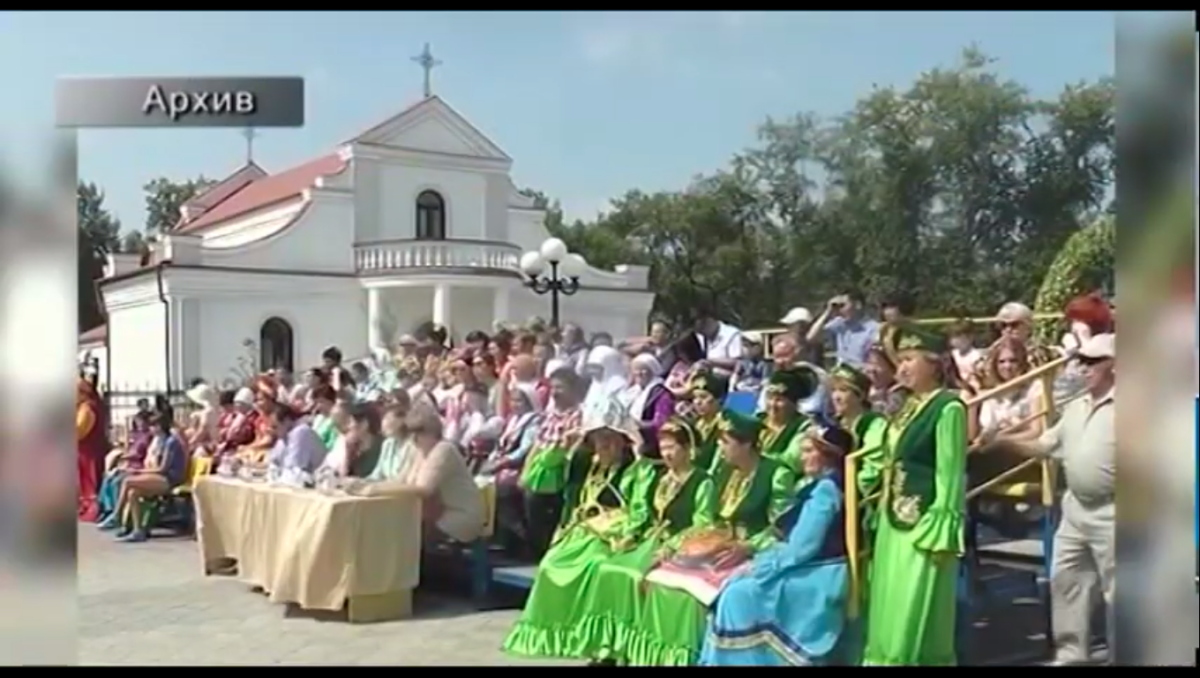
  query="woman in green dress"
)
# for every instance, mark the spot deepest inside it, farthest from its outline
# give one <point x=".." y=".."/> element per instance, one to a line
<point x="707" y="391"/>
<point x="782" y="420"/>
<point x="919" y="537"/>
<point x="752" y="491"/>
<point x="605" y="501"/>
<point x="849" y="397"/>
<point x="684" y="497"/>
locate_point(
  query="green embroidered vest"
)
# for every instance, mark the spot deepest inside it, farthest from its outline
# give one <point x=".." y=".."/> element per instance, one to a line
<point x="614" y="495"/>
<point x="862" y="426"/>
<point x="752" y="514"/>
<point x="773" y="446"/>
<point x="911" y="488"/>
<point x="681" y="506"/>
<point x="707" y="448"/>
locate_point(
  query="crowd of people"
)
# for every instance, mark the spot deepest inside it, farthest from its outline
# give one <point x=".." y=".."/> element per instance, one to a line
<point x="672" y="527"/>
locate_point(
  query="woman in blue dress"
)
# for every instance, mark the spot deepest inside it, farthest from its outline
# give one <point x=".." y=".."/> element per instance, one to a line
<point x="789" y="607"/>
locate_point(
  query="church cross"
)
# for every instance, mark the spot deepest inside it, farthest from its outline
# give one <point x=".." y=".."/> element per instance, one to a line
<point x="426" y="61"/>
<point x="250" y="136"/>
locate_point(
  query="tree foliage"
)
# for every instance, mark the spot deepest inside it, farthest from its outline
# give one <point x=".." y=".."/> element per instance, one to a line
<point x="958" y="191"/>
<point x="99" y="235"/>
<point x="165" y="197"/>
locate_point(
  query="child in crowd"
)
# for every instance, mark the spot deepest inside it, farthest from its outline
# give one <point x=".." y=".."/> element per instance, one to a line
<point x="751" y="370"/>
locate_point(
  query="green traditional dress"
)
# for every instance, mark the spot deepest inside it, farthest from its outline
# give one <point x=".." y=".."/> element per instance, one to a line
<point x="671" y="622"/>
<point x="914" y="569"/>
<point x="870" y="433"/>
<point x="707" y="452"/>
<point x="603" y="506"/>
<point x="783" y="443"/>
<point x="614" y="601"/>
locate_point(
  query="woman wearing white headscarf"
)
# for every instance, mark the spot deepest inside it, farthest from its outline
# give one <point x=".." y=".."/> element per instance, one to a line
<point x="202" y="433"/>
<point x="651" y="402"/>
<point x="606" y="368"/>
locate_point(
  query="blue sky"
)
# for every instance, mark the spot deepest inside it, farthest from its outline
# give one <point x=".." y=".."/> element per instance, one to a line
<point x="588" y="104"/>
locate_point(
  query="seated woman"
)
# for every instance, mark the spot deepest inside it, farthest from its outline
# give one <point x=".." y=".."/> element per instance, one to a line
<point x="452" y="505"/>
<point x="164" y="470"/>
<point x="241" y="430"/>
<point x="752" y="491"/>
<point x="265" y="435"/>
<point x="339" y="416"/>
<point x="652" y="402"/>
<point x="707" y="390"/>
<point x="395" y="455"/>
<point x="128" y="460"/>
<point x="323" y="399"/>
<point x="605" y="502"/>
<point x="887" y="396"/>
<point x="364" y="441"/>
<point x="782" y="420"/>
<point x="202" y="433"/>
<point x="684" y="497"/>
<point x="544" y="474"/>
<point x="788" y="606"/>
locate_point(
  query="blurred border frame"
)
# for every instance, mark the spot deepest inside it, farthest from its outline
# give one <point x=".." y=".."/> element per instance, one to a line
<point x="1155" y="607"/>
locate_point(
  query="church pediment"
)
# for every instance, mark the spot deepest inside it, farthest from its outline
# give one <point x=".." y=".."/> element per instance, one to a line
<point x="432" y="126"/>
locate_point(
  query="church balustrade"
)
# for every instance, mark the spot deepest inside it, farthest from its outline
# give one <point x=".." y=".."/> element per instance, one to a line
<point x="398" y="256"/>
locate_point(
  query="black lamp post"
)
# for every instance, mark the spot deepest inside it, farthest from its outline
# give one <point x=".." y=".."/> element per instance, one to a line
<point x="553" y="270"/>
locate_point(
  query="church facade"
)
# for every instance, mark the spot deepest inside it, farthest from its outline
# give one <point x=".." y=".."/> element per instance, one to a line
<point x="415" y="219"/>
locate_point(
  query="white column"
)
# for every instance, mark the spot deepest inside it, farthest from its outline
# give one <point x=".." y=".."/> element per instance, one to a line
<point x="441" y="306"/>
<point x="374" y="319"/>
<point x="500" y="306"/>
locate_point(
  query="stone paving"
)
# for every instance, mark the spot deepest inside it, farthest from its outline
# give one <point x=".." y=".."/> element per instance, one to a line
<point x="149" y="604"/>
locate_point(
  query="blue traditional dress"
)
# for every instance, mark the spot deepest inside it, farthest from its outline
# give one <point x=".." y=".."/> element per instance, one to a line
<point x="789" y="608"/>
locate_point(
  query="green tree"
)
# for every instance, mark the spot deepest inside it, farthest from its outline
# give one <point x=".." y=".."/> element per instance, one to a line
<point x="165" y="198"/>
<point x="99" y="235"/>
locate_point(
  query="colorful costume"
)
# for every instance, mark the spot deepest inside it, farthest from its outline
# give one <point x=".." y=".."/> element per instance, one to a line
<point x="673" y="613"/>
<point x="92" y="444"/>
<point x="604" y="506"/>
<point x="789" y="607"/>
<point x="543" y="478"/>
<point x="708" y="434"/>
<point x="869" y="428"/>
<point x="919" y="537"/>
<point x="782" y="442"/>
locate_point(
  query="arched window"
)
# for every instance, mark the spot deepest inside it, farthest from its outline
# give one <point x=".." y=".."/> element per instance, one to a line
<point x="275" y="345"/>
<point x="431" y="216"/>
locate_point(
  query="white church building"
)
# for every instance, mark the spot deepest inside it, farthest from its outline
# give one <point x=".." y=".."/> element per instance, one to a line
<point x="415" y="219"/>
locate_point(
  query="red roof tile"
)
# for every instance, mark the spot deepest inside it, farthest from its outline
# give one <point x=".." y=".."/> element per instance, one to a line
<point x="219" y="192"/>
<point x="268" y="190"/>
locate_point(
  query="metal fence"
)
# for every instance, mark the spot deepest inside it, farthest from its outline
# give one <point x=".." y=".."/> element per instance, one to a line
<point x="122" y="404"/>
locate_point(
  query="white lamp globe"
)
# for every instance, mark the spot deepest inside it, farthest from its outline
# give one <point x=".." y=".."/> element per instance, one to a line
<point x="554" y="250"/>
<point x="574" y="265"/>
<point x="532" y="264"/>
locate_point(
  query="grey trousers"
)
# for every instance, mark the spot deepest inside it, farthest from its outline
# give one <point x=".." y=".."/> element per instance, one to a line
<point x="1082" y="572"/>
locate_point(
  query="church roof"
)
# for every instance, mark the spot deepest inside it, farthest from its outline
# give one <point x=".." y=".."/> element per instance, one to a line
<point x="266" y="190"/>
<point x="251" y="188"/>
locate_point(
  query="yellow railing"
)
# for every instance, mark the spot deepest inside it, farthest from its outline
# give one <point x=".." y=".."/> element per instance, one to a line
<point x="770" y="333"/>
<point x="858" y="553"/>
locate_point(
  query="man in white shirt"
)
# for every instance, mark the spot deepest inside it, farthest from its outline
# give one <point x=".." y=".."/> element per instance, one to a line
<point x="722" y="343"/>
<point x="1084" y="557"/>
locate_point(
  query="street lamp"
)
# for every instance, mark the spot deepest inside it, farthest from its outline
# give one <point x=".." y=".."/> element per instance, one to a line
<point x="554" y="270"/>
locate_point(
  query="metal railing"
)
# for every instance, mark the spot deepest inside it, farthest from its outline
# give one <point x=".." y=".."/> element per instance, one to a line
<point x="858" y="554"/>
<point x="771" y="332"/>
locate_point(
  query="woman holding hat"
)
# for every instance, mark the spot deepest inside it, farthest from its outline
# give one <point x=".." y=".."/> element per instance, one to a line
<point x="683" y="498"/>
<point x="782" y="420"/>
<point x="708" y="391"/>
<point x="604" y="503"/>
<point x="758" y="619"/>
<point x="752" y="490"/>
<point x="920" y="535"/>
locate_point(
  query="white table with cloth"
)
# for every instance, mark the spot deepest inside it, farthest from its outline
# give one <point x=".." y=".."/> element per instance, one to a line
<point x="315" y="550"/>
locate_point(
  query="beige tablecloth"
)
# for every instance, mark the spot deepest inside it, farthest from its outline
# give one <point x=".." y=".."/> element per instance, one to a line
<point x="309" y="548"/>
